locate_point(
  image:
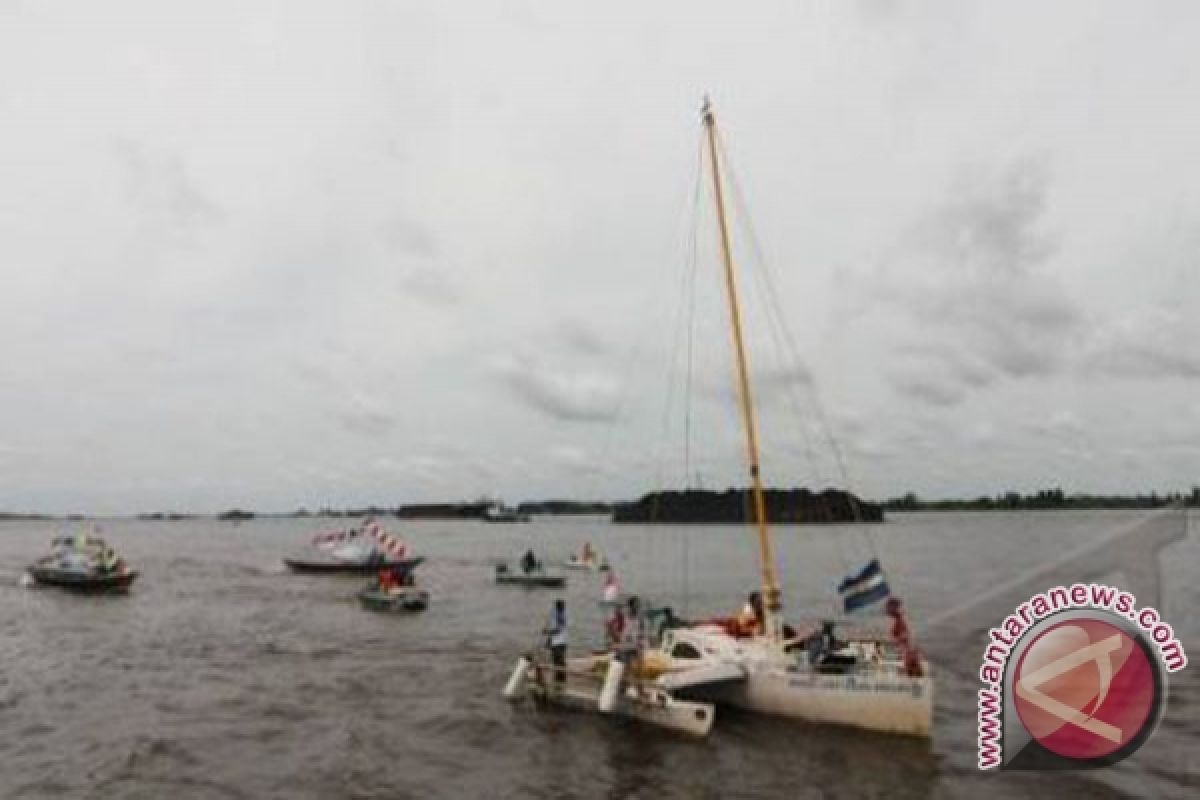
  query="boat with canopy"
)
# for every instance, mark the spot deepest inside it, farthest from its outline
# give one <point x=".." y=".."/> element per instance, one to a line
<point x="84" y="563"/>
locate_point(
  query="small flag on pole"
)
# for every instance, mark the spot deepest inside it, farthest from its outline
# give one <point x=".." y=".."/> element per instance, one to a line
<point x="865" y="587"/>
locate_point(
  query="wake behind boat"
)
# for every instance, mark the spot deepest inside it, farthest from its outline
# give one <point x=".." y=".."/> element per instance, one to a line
<point x="83" y="563"/>
<point x="359" y="551"/>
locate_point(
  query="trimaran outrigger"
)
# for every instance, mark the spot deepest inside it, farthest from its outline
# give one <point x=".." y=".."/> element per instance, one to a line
<point x="874" y="683"/>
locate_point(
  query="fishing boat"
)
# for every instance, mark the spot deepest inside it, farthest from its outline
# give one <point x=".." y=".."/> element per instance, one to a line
<point x="400" y="598"/>
<point x="82" y="563"/>
<point x="359" y="551"/>
<point x="876" y="683"/>
<point x="536" y="578"/>
<point x="394" y="590"/>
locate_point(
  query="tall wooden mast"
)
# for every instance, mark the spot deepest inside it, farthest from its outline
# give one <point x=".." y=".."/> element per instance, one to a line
<point x="772" y="602"/>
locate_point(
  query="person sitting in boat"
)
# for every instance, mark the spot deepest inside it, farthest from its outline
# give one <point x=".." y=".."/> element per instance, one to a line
<point x="750" y="620"/>
<point x="556" y="638"/>
<point x="529" y="562"/>
<point x="387" y="579"/>
<point x="665" y="619"/>
<point x="823" y="647"/>
<point x="108" y="560"/>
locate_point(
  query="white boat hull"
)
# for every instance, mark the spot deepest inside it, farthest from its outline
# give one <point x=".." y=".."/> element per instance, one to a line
<point x="895" y="704"/>
<point x="874" y="695"/>
<point x="645" y="703"/>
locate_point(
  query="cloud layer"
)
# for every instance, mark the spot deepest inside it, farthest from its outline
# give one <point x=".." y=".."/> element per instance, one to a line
<point x="341" y="253"/>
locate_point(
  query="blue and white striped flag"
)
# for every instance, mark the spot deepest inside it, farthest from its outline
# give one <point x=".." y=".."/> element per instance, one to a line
<point x="863" y="588"/>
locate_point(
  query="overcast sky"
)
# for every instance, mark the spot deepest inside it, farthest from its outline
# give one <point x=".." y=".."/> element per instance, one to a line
<point x="310" y="253"/>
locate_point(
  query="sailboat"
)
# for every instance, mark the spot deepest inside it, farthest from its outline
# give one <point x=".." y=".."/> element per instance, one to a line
<point x="875" y="683"/>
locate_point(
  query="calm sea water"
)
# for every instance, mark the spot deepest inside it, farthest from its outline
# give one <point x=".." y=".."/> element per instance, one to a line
<point x="221" y="675"/>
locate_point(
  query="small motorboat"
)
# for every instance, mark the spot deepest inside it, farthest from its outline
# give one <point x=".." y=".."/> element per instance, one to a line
<point x="83" y="563"/>
<point x="575" y="562"/>
<point x="537" y="578"/>
<point x="587" y="558"/>
<point x="394" y="590"/>
<point x="399" y="598"/>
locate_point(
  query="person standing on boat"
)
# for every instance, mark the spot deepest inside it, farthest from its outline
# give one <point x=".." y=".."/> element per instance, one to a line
<point x="529" y="561"/>
<point x="556" y="633"/>
<point x="614" y="629"/>
<point x="633" y="637"/>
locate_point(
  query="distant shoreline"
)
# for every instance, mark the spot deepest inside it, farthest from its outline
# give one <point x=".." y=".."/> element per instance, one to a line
<point x="1049" y="500"/>
<point x="1042" y="500"/>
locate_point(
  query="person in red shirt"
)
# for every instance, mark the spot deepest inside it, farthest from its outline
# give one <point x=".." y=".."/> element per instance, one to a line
<point x="614" y="629"/>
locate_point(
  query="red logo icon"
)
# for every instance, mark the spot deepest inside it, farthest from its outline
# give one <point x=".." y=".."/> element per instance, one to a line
<point x="1085" y="689"/>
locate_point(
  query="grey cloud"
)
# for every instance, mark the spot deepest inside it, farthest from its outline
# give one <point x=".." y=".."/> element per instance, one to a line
<point x="409" y="236"/>
<point x="579" y="338"/>
<point x="366" y="416"/>
<point x="159" y="183"/>
<point x="974" y="276"/>
<point x="926" y="388"/>
<point x="1149" y="343"/>
<point x="991" y="221"/>
<point x="563" y="393"/>
<point x="965" y="367"/>
<point x="1063" y="424"/>
<point x="423" y="271"/>
<point x="429" y="282"/>
<point x="777" y="379"/>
